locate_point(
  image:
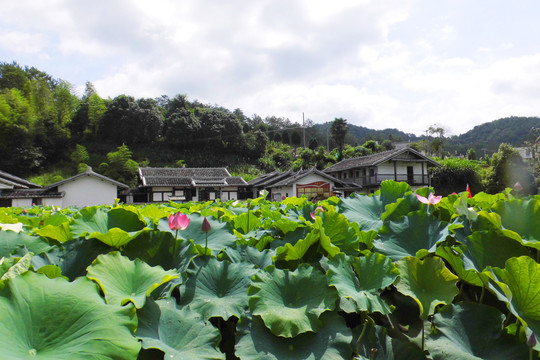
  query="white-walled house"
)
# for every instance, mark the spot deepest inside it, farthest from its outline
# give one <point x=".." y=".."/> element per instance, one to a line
<point x="85" y="189"/>
<point x="404" y="164"/>
<point x="188" y="184"/>
<point x="312" y="183"/>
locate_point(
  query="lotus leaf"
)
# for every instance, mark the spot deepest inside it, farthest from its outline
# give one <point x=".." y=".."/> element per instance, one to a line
<point x="359" y="280"/>
<point x="427" y="281"/>
<point x="523" y="217"/>
<point x="471" y="331"/>
<point x="115" y="227"/>
<point x="217" y="288"/>
<point x="179" y="333"/>
<point x="518" y="285"/>
<point x="10" y="241"/>
<point x="123" y="280"/>
<point x="60" y="233"/>
<point x="55" y="319"/>
<point x="330" y="342"/>
<point x="376" y="343"/>
<point x="414" y="232"/>
<point x="290" y="302"/>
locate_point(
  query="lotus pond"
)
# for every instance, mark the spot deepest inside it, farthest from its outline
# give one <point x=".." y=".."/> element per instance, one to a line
<point x="384" y="276"/>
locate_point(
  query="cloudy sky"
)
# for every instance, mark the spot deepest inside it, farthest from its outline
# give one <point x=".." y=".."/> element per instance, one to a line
<point x="405" y="64"/>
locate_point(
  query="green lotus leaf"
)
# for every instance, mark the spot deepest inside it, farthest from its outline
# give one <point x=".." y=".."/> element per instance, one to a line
<point x="123" y="280"/>
<point x="11" y="267"/>
<point x="152" y="213"/>
<point x="10" y="241"/>
<point x="290" y="302"/>
<point x="454" y="257"/>
<point x="55" y="319"/>
<point x="330" y="342"/>
<point x="220" y="236"/>
<point x="179" y="333"/>
<point x="428" y="282"/>
<point x="60" y="233"/>
<point x="491" y="248"/>
<point x="367" y="210"/>
<point x="97" y="219"/>
<point x="523" y="217"/>
<point x="115" y="227"/>
<point x="518" y="285"/>
<point x="217" y="288"/>
<point x="358" y="281"/>
<point x="247" y="222"/>
<point x="471" y="331"/>
<point x="289" y="252"/>
<point x="342" y="236"/>
<point x="285" y="225"/>
<point x="251" y="255"/>
<point x="73" y="257"/>
<point x="51" y="271"/>
<point x="412" y="233"/>
<point x="376" y="344"/>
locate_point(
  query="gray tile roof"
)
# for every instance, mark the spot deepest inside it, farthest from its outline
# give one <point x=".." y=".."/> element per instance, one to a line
<point x="378" y="158"/>
<point x="16" y="181"/>
<point x="89" y="172"/>
<point x="288" y="178"/>
<point x="29" y="194"/>
<point x="215" y="177"/>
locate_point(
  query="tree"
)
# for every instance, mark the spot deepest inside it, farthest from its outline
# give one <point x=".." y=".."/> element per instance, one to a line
<point x="454" y="175"/>
<point x="339" y="130"/>
<point x="471" y="154"/>
<point x="120" y="166"/>
<point x="507" y="169"/>
<point x="79" y="156"/>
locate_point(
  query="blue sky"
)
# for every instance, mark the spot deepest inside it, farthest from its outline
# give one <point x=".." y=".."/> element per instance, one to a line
<point x="403" y="64"/>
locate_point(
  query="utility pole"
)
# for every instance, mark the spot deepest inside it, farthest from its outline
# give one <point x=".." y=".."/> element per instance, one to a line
<point x="304" y="128"/>
<point x="327" y="138"/>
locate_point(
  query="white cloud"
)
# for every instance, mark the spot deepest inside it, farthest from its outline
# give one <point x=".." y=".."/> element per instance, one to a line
<point x="404" y="64"/>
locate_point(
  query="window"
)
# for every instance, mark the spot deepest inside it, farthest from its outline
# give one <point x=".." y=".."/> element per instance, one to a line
<point x="157" y="196"/>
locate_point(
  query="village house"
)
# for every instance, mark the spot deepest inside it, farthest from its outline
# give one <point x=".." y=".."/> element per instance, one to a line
<point x="85" y="189"/>
<point x="188" y="184"/>
<point x="312" y="183"/>
<point x="404" y="164"/>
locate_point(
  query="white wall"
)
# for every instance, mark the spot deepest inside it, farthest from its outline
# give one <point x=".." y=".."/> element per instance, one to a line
<point x="21" y="202"/>
<point x="52" y="202"/>
<point x="88" y="191"/>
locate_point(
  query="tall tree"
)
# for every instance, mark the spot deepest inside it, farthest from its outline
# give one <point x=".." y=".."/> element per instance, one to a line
<point x="339" y="130"/>
<point x="507" y="169"/>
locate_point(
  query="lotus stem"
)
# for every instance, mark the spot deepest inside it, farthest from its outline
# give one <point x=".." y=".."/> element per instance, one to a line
<point x="361" y="335"/>
<point x="174" y="245"/>
<point x="423" y="336"/>
<point x="206" y="244"/>
<point x="247" y="230"/>
<point x="482" y="294"/>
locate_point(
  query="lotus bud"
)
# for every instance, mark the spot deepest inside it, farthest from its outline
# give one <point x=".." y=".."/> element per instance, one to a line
<point x="206" y="227"/>
<point x="531" y="340"/>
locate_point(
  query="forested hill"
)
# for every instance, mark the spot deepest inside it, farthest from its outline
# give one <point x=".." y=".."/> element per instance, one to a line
<point x="488" y="136"/>
<point x="361" y="134"/>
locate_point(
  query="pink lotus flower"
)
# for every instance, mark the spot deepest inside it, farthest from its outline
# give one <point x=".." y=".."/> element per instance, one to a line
<point x="178" y="221"/>
<point x="430" y="200"/>
<point x="314" y="213"/>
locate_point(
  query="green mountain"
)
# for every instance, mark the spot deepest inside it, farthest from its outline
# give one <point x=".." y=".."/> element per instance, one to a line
<point x="361" y="134"/>
<point x="488" y="136"/>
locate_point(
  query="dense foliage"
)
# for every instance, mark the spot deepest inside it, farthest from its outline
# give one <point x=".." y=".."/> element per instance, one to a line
<point x="386" y="276"/>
